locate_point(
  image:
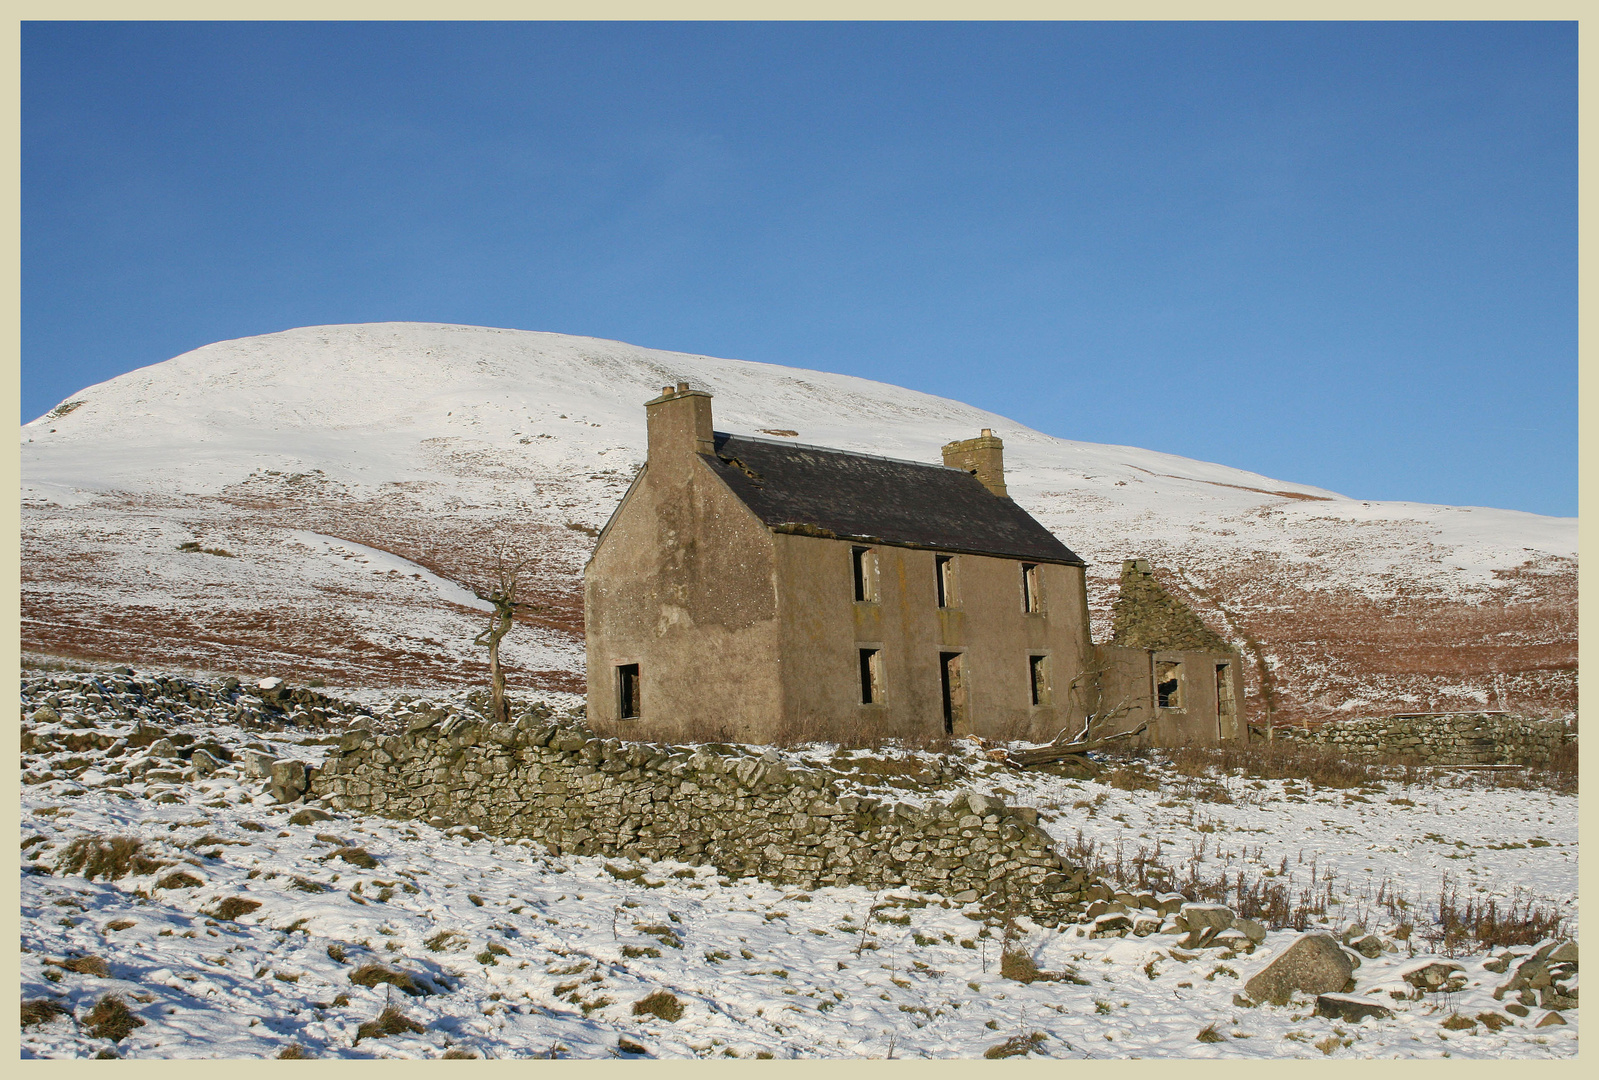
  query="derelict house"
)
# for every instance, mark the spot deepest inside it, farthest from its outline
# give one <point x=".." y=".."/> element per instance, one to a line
<point x="750" y="588"/>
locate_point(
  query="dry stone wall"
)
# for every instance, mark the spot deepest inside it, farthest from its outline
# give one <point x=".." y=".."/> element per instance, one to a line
<point x="1452" y="739"/>
<point x="744" y="814"/>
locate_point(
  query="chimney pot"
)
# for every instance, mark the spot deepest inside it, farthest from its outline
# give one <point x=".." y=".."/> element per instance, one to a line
<point x="682" y="388"/>
<point x="988" y="431"/>
<point x="666" y="391"/>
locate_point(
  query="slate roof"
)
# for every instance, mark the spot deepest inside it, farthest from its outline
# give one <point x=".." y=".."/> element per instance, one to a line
<point x="814" y="490"/>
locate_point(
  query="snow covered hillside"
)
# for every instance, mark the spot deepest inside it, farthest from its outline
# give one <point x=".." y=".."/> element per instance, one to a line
<point x="341" y="488"/>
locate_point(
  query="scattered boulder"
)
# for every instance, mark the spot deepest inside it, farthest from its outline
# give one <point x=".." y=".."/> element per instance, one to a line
<point x="1314" y="964"/>
<point x="44" y="714"/>
<point x="1207" y="916"/>
<point x="204" y="764"/>
<point x="1251" y="929"/>
<point x="1530" y="974"/>
<point x="1434" y="975"/>
<point x="258" y="764"/>
<point x="162" y="748"/>
<point x="1518" y="1009"/>
<point x="1564" y="953"/>
<point x="1551" y="1019"/>
<point x="1352" y="1009"/>
<point x="309" y="815"/>
<point x="288" y="781"/>
<point x="1369" y="946"/>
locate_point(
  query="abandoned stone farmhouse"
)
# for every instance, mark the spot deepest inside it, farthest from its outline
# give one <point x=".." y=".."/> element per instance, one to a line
<point x="757" y="589"/>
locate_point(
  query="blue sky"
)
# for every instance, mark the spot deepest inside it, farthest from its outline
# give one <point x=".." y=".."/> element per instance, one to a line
<point x="1338" y="254"/>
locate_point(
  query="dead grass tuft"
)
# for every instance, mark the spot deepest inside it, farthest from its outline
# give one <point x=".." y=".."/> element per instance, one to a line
<point x="1019" y="967"/>
<point x="391" y="1021"/>
<point x="42" y="1011"/>
<point x="292" y="1052"/>
<point x="234" y="906"/>
<point x="84" y="965"/>
<point x="111" y="1019"/>
<point x="355" y="856"/>
<point x="662" y="1004"/>
<point x="1015" y="1046"/>
<point x="179" y="879"/>
<point x="373" y="974"/>
<point x="1209" y="1034"/>
<point x="107" y="857"/>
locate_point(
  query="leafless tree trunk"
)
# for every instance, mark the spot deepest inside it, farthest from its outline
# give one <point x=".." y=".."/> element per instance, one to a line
<point x="508" y="577"/>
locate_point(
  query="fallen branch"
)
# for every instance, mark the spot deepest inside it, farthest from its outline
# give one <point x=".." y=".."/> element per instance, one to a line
<point x="1040" y="755"/>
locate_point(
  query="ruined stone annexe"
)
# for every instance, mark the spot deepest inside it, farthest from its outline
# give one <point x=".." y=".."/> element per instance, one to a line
<point x="743" y="814"/>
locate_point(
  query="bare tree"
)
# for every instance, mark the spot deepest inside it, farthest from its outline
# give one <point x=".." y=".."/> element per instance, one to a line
<point x="508" y="577"/>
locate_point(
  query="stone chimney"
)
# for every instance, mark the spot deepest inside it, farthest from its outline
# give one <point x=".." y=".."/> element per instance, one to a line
<point x="679" y="423"/>
<point x="983" y="457"/>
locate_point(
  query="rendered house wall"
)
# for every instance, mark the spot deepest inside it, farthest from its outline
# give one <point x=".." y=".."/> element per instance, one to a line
<point x="682" y="584"/>
<point x="824" y="628"/>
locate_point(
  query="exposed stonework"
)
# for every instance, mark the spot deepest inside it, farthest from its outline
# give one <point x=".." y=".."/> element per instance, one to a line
<point x="1146" y="616"/>
<point x="1446" y="739"/>
<point x="742" y="813"/>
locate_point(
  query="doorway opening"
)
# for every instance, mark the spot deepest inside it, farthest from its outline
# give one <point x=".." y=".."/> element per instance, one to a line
<point x="954" y="679"/>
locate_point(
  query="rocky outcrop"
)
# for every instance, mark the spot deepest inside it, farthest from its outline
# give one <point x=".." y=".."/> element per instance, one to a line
<point x="744" y="813"/>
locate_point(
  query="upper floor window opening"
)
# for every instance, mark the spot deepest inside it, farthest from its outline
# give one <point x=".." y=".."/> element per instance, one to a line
<point x="1032" y="597"/>
<point x="948" y="594"/>
<point x="864" y="564"/>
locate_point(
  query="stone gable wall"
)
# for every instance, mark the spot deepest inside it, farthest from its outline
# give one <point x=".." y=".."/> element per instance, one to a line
<point x="1146" y="616"/>
<point x="1453" y="739"/>
<point x="743" y="814"/>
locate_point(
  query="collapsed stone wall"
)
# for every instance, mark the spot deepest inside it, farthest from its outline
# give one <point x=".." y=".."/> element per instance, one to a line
<point x="744" y="814"/>
<point x="1449" y="739"/>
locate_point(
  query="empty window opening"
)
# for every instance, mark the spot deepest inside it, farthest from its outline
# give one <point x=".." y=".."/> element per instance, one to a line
<point x="865" y="565"/>
<point x="1032" y="601"/>
<point x="954" y="680"/>
<point x="945" y="566"/>
<point x="1168" y="684"/>
<point x="871" y="677"/>
<point x="627" y="691"/>
<point x="1038" y="677"/>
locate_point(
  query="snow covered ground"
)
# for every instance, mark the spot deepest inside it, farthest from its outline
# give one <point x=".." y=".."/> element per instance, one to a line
<point x="258" y="929"/>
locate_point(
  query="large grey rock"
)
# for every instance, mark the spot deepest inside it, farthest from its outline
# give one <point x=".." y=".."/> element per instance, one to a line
<point x="162" y="748"/>
<point x="204" y="764"/>
<point x="288" y="782"/>
<point x="1314" y="964"/>
<point x="257" y="764"/>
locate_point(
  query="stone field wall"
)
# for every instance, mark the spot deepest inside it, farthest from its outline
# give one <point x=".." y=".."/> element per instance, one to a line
<point x="1452" y="739"/>
<point x="742" y="813"/>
